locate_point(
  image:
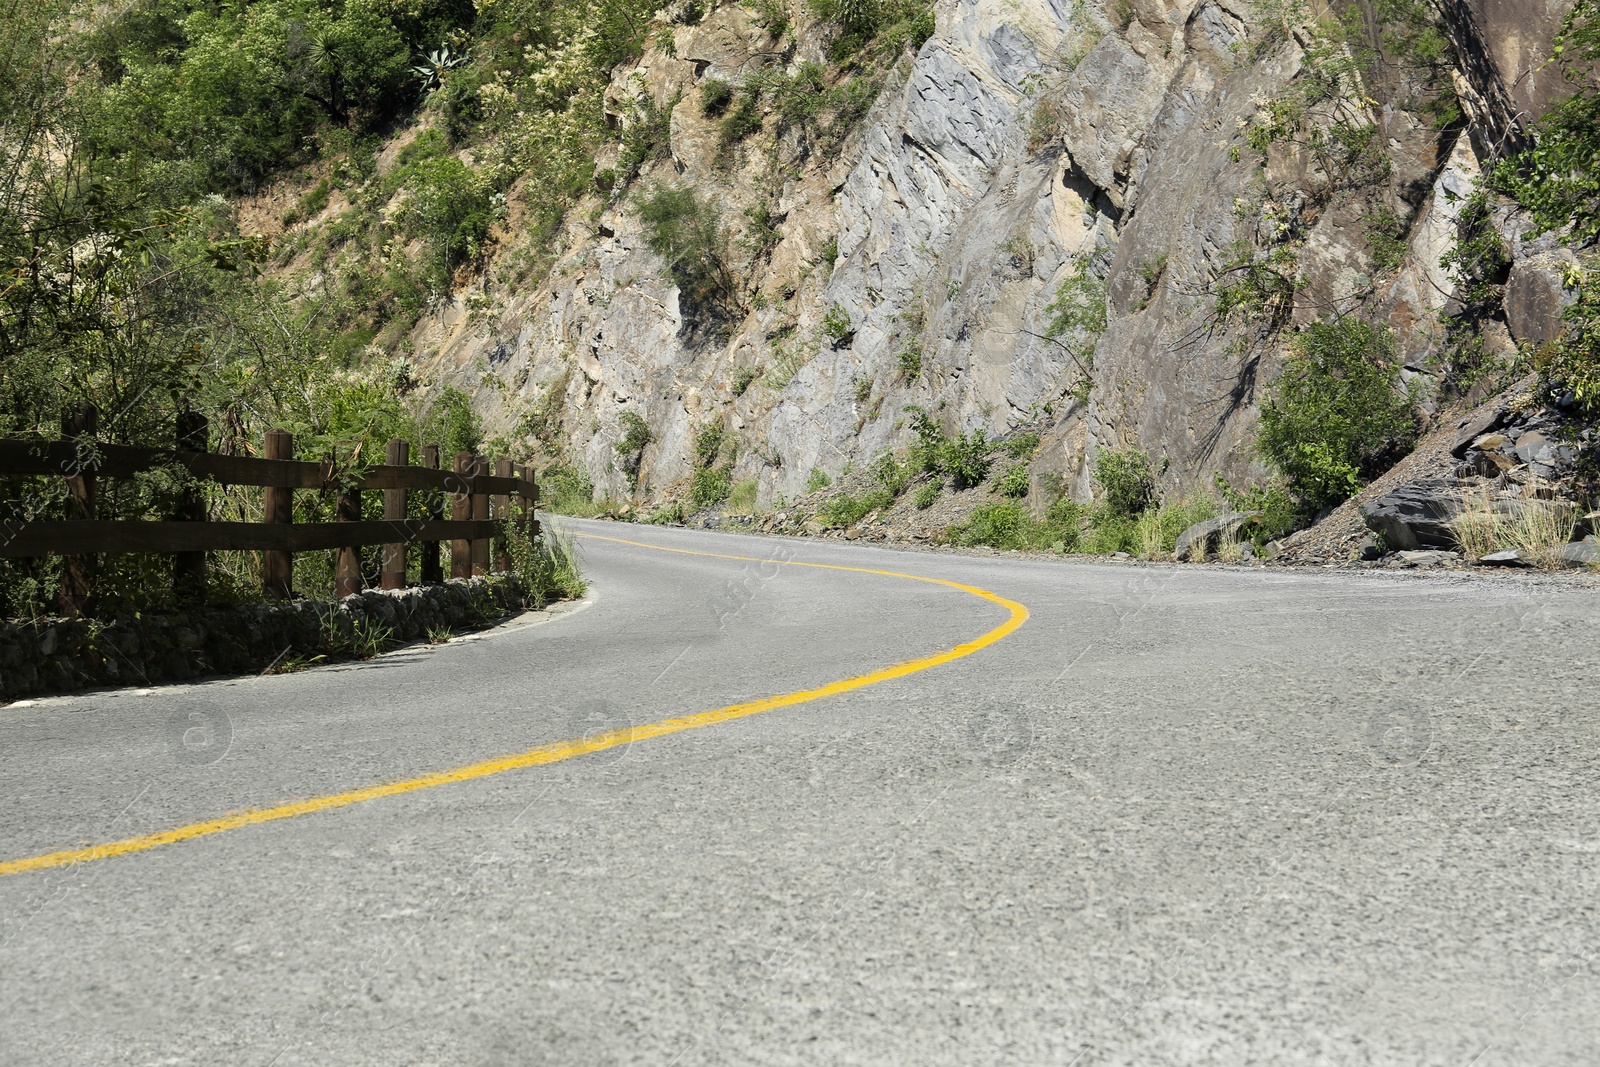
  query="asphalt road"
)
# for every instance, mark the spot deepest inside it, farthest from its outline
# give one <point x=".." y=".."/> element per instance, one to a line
<point x="1179" y="816"/>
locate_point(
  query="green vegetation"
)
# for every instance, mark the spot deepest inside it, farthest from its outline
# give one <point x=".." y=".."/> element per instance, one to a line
<point x="709" y="487"/>
<point x="546" y="565"/>
<point x="666" y="515"/>
<point x="926" y="496"/>
<point x="1014" y="482"/>
<point x="742" y="497"/>
<point x="909" y="360"/>
<point x="1127" y="482"/>
<point x="1078" y="316"/>
<point x="1022" y="445"/>
<point x="963" y="458"/>
<point x="708" y="443"/>
<point x="1334" y="419"/>
<point x="715" y="96"/>
<point x="835" y="321"/>
<point x="1558" y="183"/>
<point x="847" y="510"/>
<point x="686" y="232"/>
<point x="817" y="479"/>
<point x="566" y="490"/>
<point x="636" y="436"/>
<point x="891" y="473"/>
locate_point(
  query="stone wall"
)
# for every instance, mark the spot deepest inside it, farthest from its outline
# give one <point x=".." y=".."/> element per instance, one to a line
<point x="62" y="655"/>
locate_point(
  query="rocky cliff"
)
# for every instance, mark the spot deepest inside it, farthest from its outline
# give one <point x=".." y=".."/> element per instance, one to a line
<point x="1222" y="173"/>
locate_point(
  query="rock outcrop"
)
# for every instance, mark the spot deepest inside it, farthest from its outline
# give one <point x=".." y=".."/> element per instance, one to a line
<point x="916" y="261"/>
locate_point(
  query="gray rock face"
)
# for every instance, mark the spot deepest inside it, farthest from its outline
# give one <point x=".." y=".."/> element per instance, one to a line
<point x="1535" y="295"/>
<point x="1414" y="516"/>
<point x="1028" y="140"/>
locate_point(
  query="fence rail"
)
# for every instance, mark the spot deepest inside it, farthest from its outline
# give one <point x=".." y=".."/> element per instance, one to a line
<point x="480" y="504"/>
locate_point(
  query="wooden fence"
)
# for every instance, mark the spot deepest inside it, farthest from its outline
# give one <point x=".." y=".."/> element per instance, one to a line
<point x="478" y="502"/>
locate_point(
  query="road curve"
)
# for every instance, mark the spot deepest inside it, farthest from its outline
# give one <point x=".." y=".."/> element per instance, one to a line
<point x="1069" y="814"/>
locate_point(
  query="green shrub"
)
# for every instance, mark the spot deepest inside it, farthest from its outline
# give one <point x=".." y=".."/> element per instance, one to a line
<point x="447" y="206"/>
<point x="1008" y="524"/>
<point x="647" y="138"/>
<point x="891" y="473"/>
<point x="817" y="479"/>
<point x="709" y="488"/>
<point x="630" y="449"/>
<point x="742" y="497"/>
<point x="910" y="361"/>
<point x="743" y="120"/>
<point x="1126" y="480"/>
<point x="715" y="96"/>
<point x="927" y="495"/>
<point x="666" y="515"/>
<point x="686" y="232"/>
<point x="1334" y="419"/>
<point x="707" y="443"/>
<point x="566" y="490"/>
<point x="966" y="459"/>
<point x="453" y="424"/>
<point x="1278" y="510"/>
<point x="835" y="321"/>
<point x="847" y="510"/>
<point x="1014" y="482"/>
<point x="1022" y="445"/>
<point x="1002" y="525"/>
<point x="1158" y="528"/>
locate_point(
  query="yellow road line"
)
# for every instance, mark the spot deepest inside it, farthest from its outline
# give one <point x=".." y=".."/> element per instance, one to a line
<point x="560" y="750"/>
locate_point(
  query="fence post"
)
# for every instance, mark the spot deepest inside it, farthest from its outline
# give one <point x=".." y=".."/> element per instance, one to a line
<point x="347" y="565"/>
<point x="432" y="572"/>
<point x="189" y="568"/>
<point x="480" y="511"/>
<point x="394" y="510"/>
<point x="503" y="468"/>
<point x="530" y="501"/>
<point x="460" y="511"/>
<point x="78" y="572"/>
<point x="277" y="568"/>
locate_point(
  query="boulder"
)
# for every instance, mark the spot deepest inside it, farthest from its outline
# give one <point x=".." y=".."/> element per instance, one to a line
<point x="1425" y="558"/>
<point x="1471" y="430"/>
<point x="1209" y="533"/>
<point x="1414" y="516"/>
<point x="1583" y="553"/>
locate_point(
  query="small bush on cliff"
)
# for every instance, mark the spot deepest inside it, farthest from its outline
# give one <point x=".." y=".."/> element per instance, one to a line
<point x="1335" y="420"/>
<point x="964" y="458"/>
<point x="1127" y="482"/>
<point x="686" y="232"/>
<point x="709" y="488"/>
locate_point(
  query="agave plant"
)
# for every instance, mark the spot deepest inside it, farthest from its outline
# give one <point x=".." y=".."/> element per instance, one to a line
<point x="431" y="72"/>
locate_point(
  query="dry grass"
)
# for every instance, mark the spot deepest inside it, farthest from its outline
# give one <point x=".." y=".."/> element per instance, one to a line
<point x="1535" y="528"/>
<point x="1476" y="526"/>
<point x="1230" y="548"/>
